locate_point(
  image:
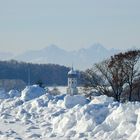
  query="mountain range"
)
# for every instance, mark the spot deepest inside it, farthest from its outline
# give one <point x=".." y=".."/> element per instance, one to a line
<point x="5" y="56"/>
<point x="81" y="59"/>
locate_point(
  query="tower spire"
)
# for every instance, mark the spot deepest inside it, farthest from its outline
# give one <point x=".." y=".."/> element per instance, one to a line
<point x="72" y="67"/>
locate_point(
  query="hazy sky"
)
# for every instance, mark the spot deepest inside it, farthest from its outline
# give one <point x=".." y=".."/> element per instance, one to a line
<point x="70" y="24"/>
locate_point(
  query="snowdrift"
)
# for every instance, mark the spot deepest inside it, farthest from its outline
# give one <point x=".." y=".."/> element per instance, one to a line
<point x="31" y="92"/>
<point x="71" y="101"/>
<point x="34" y="114"/>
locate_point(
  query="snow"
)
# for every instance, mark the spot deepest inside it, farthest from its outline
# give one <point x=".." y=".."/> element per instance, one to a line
<point x="14" y="93"/>
<point x="32" y="92"/>
<point x="35" y="114"/>
<point x="71" y="101"/>
<point x="103" y="99"/>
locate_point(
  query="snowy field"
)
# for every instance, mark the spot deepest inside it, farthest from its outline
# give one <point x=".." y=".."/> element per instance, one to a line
<point x="34" y="114"/>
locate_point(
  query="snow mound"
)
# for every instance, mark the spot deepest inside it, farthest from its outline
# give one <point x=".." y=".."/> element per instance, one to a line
<point x="48" y="117"/>
<point x="71" y="101"/>
<point x="103" y="99"/>
<point x="14" y="93"/>
<point x="79" y="119"/>
<point x="31" y="92"/>
<point x="120" y="123"/>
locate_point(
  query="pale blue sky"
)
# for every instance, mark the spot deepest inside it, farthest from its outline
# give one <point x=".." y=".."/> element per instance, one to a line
<point x="70" y="24"/>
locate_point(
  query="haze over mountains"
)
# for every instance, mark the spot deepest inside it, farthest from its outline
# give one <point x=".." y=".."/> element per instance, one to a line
<point x="5" y="55"/>
<point x="81" y="59"/>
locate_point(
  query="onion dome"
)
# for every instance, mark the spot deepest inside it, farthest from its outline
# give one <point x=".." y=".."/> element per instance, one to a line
<point x="72" y="73"/>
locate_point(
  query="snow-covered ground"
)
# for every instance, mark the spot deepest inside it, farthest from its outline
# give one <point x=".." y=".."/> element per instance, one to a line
<point x="34" y="114"/>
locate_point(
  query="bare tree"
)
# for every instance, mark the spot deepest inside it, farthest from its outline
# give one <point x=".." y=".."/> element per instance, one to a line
<point x="131" y="59"/>
<point x="112" y="71"/>
<point x="118" y="76"/>
<point x="92" y="80"/>
<point x="117" y="72"/>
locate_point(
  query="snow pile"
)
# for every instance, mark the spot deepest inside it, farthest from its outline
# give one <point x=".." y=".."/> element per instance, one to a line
<point x="14" y="93"/>
<point x="79" y="119"/>
<point x="103" y="99"/>
<point x="31" y="92"/>
<point x="71" y="101"/>
<point x="119" y="124"/>
<point x="44" y="116"/>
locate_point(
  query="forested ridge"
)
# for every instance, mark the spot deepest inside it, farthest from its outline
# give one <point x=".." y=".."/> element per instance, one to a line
<point x="49" y="74"/>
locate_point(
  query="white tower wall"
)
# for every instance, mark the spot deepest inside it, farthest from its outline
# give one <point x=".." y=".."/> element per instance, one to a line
<point x="72" y="83"/>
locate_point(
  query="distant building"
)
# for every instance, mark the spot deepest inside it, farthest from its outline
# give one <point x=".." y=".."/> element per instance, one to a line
<point x="72" y="82"/>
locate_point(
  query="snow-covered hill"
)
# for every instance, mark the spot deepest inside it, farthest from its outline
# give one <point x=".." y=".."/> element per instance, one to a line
<point x="35" y="114"/>
<point x="82" y="59"/>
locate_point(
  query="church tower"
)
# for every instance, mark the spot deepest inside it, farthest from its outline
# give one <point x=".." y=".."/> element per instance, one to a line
<point x="72" y="82"/>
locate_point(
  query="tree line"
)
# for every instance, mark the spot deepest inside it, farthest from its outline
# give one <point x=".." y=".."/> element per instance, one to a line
<point x="118" y="76"/>
<point x="48" y="74"/>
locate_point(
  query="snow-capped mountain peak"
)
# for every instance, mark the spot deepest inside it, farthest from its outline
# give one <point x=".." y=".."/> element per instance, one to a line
<point x="82" y="58"/>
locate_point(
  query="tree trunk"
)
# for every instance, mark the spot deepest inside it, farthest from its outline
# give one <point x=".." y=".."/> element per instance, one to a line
<point x="117" y="98"/>
<point x="130" y="94"/>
